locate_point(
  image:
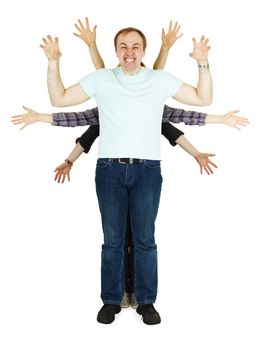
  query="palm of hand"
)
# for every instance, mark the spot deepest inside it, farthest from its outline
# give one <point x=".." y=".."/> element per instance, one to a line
<point x="62" y="171"/>
<point x="200" y="49"/>
<point x="30" y="117"/>
<point x="203" y="160"/>
<point x="230" y="120"/>
<point x="52" y="51"/>
<point x="205" y="163"/>
<point x="169" y="39"/>
<point x="173" y="34"/>
<point x="87" y="36"/>
<point x="85" y="33"/>
<point x="200" y="52"/>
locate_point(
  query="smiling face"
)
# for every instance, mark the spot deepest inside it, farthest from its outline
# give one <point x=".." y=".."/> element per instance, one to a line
<point x="130" y="49"/>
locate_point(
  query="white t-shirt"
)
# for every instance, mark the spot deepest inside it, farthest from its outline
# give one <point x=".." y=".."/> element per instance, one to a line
<point x="130" y="110"/>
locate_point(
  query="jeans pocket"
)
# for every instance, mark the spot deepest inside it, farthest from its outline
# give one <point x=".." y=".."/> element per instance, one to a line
<point x="103" y="162"/>
<point x="152" y="164"/>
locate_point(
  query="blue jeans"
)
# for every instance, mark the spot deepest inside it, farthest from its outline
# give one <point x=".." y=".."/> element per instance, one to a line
<point x="134" y="187"/>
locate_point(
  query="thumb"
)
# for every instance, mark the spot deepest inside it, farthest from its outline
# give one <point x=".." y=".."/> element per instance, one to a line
<point x="26" y="108"/>
<point x="23" y="126"/>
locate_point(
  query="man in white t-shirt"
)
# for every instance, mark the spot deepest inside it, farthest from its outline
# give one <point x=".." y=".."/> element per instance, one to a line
<point x="130" y="99"/>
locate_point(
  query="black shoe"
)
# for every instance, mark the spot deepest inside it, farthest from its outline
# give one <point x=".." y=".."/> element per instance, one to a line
<point x="149" y="314"/>
<point x="107" y="313"/>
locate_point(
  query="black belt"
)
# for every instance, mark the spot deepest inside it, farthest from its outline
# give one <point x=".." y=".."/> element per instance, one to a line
<point x="127" y="160"/>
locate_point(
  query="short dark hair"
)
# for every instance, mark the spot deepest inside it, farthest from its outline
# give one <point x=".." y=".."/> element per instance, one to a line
<point x="128" y="30"/>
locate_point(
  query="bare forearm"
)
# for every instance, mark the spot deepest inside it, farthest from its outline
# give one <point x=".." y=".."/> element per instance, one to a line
<point x="187" y="146"/>
<point x="205" y="84"/>
<point x="44" y="118"/>
<point x="95" y="56"/>
<point x="217" y="119"/>
<point x="162" y="58"/>
<point x="76" y="152"/>
<point x="55" y="85"/>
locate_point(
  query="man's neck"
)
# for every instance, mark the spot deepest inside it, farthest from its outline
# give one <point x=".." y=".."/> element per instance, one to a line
<point x="136" y="71"/>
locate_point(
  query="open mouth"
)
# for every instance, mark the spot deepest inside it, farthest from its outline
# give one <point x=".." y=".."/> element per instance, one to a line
<point x="129" y="60"/>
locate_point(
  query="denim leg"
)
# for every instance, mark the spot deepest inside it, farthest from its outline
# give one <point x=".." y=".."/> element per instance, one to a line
<point x="129" y="258"/>
<point x="113" y="203"/>
<point x="144" y="199"/>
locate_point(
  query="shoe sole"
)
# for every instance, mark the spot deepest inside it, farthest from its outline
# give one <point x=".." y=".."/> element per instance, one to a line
<point x="149" y="323"/>
<point x="100" y="321"/>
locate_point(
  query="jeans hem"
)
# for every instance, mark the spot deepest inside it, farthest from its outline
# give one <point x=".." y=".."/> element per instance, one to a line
<point x="113" y="302"/>
<point x="146" y="302"/>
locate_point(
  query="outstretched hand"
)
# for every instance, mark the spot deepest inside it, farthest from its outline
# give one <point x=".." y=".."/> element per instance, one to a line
<point x="28" y="118"/>
<point x="200" y="49"/>
<point x="51" y="48"/>
<point x="168" y="39"/>
<point x="85" y="33"/>
<point x="235" y="121"/>
<point x="205" y="163"/>
<point x="62" y="171"/>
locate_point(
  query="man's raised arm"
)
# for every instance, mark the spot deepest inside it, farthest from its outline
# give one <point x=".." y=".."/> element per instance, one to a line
<point x="59" y="96"/>
<point x="202" y="94"/>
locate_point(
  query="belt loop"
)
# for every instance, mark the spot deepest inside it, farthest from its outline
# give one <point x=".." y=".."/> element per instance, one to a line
<point x="130" y="160"/>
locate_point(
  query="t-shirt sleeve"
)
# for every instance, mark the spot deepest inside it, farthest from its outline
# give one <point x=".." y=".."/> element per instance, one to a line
<point x="90" y="82"/>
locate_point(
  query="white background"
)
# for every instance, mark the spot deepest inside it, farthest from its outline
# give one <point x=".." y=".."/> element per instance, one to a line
<point x="212" y="231"/>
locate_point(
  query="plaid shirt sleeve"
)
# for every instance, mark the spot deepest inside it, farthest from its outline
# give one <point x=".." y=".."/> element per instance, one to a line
<point x="177" y="115"/>
<point x="71" y="119"/>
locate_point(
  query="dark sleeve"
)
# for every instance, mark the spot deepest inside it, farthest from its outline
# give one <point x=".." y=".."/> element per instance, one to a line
<point x="171" y="132"/>
<point x="88" y="137"/>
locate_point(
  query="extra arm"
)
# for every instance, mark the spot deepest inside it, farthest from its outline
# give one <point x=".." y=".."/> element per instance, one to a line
<point x="178" y="115"/>
<point x="31" y="117"/>
<point x="202" y="158"/>
<point x="89" y="37"/>
<point x="167" y="42"/>
<point x="170" y="132"/>
<point x="83" y="144"/>
<point x="63" y="170"/>
<point x="176" y="136"/>
<point x="70" y="119"/>
<point x="230" y="119"/>
<point x="88" y="137"/>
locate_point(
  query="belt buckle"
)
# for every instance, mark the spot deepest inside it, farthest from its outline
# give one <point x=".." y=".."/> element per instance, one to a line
<point x="128" y="161"/>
